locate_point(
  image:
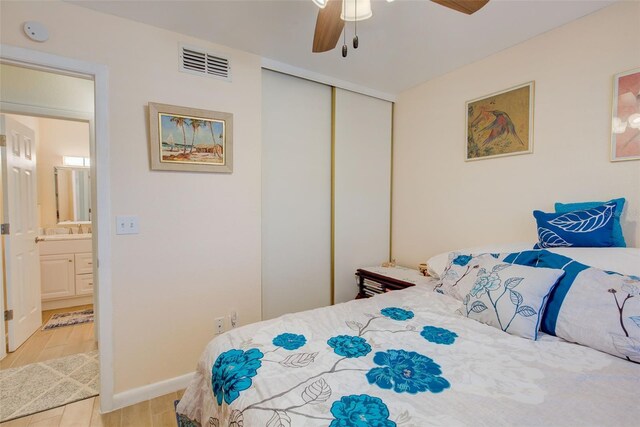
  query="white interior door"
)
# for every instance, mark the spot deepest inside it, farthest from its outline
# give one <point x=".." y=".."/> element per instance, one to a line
<point x="296" y="194"/>
<point x="21" y="254"/>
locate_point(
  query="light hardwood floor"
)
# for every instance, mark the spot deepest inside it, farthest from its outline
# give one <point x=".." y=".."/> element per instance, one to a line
<point x="158" y="412"/>
<point x="54" y="343"/>
<point x="59" y="342"/>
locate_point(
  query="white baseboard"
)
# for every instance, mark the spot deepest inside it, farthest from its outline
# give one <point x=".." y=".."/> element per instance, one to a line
<point x="150" y="391"/>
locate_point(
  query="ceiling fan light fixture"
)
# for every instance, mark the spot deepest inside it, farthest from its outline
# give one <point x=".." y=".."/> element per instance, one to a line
<point x="351" y="12"/>
<point x="320" y="3"/>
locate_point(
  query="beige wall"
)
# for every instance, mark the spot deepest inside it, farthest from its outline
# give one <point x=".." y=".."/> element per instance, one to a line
<point x="198" y="252"/>
<point x="442" y="203"/>
<point x="46" y="90"/>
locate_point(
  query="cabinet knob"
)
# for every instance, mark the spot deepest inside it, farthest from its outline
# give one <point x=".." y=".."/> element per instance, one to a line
<point x="70" y="260"/>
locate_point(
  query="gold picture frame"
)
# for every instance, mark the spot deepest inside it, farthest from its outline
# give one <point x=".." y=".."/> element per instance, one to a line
<point x="625" y="116"/>
<point x="500" y="124"/>
<point x="189" y="139"/>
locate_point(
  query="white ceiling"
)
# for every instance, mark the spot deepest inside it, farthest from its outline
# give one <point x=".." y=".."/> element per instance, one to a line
<point x="405" y="42"/>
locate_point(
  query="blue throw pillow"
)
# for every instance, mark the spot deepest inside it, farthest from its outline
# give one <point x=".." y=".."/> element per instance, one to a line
<point x="618" y="237"/>
<point x="581" y="228"/>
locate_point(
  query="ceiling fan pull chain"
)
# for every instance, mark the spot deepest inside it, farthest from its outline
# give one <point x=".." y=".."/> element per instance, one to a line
<point x="355" y="25"/>
<point x="344" y="32"/>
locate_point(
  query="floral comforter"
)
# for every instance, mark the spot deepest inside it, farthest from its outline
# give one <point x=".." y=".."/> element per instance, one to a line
<point x="403" y="359"/>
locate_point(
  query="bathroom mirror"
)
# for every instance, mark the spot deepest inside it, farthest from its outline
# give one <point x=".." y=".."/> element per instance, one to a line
<point x="73" y="194"/>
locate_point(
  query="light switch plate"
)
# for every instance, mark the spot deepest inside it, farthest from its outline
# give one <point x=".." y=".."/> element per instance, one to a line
<point x="127" y="224"/>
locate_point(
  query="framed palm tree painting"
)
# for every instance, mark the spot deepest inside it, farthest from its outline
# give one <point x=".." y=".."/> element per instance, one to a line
<point x="189" y="139"/>
<point x="500" y="124"/>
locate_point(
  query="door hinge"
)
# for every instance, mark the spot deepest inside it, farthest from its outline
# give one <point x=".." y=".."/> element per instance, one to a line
<point x="8" y="315"/>
<point x="4" y="228"/>
<point x="3" y="140"/>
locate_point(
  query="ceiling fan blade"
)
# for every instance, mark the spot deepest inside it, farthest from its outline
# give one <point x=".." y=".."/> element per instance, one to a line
<point x="465" y="6"/>
<point x="328" y="27"/>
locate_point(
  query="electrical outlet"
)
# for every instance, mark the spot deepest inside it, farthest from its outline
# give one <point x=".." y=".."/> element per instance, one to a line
<point x="219" y="325"/>
<point x="233" y="319"/>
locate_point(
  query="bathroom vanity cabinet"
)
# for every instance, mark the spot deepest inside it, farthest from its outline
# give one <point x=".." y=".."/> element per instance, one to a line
<point x="66" y="271"/>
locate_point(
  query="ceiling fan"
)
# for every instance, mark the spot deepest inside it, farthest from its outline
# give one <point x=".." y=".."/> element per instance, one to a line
<point x="333" y="14"/>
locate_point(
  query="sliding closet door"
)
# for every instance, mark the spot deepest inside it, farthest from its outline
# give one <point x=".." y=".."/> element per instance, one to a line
<point x="362" y="187"/>
<point x="296" y="194"/>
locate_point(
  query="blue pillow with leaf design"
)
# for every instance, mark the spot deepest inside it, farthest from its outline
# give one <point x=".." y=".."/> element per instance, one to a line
<point x="580" y="228"/>
<point x="510" y="297"/>
<point x="618" y="236"/>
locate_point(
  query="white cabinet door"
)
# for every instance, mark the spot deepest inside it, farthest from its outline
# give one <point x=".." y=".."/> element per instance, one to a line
<point x="58" y="276"/>
<point x="84" y="284"/>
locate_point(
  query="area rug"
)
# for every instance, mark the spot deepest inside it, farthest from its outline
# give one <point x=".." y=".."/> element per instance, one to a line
<point x="69" y="319"/>
<point x="45" y="385"/>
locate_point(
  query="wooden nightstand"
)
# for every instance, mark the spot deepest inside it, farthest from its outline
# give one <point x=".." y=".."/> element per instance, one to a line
<point x="378" y="280"/>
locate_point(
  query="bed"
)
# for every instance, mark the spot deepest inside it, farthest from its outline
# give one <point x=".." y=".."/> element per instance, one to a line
<point x="404" y="358"/>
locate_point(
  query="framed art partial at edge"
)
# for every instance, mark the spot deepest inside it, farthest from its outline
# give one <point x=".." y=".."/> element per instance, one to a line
<point x="190" y="140"/>
<point x="500" y="124"/>
<point x="625" y="116"/>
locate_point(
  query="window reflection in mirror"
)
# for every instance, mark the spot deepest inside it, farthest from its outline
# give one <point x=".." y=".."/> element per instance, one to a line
<point x="73" y="194"/>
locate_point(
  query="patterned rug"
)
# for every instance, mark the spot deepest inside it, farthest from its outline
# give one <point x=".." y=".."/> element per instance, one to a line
<point x="69" y="319"/>
<point x="46" y="385"/>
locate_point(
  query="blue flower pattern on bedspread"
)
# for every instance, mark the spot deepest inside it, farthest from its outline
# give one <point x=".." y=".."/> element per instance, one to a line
<point x="401" y="371"/>
<point x="407" y="371"/>
<point x="289" y="341"/>
<point x="360" y="411"/>
<point x="349" y="346"/>
<point x="438" y="335"/>
<point x="232" y="373"/>
<point x="396" y="313"/>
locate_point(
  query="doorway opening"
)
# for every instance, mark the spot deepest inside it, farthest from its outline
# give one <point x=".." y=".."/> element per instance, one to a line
<point x="50" y="358"/>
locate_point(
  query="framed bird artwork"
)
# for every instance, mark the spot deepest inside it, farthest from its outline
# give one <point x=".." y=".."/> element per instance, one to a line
<point x="500" y="124"/>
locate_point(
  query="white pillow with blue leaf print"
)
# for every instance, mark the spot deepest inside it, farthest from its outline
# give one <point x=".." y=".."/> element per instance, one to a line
<point x="506" y="296"/>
